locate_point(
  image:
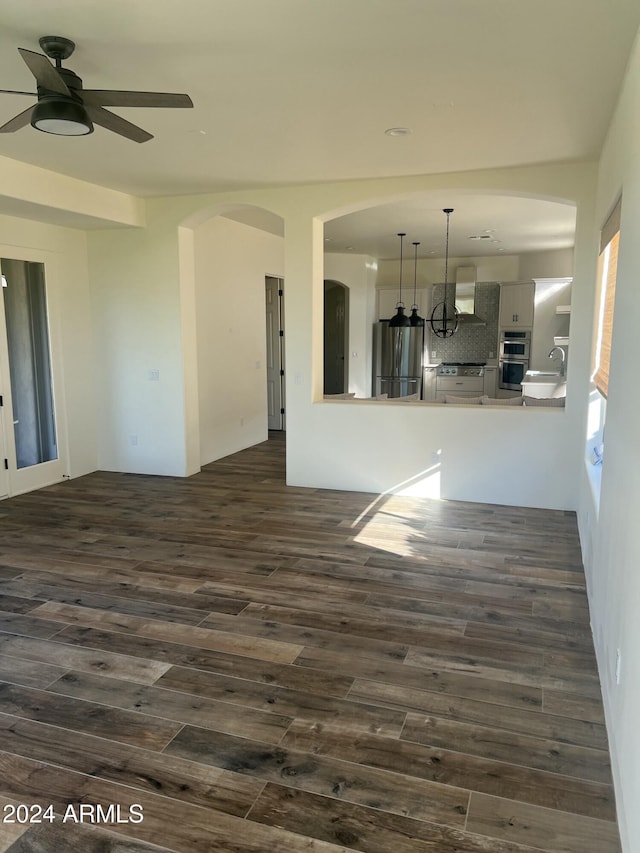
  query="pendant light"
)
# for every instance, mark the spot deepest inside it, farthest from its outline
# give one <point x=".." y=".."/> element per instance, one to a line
<point x="415" y="319"/>
<point x="444" y="317"/>
<point x="399" y="319"/>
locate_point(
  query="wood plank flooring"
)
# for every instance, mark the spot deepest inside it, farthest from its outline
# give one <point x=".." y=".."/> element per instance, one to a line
<point x="266" y="668"/>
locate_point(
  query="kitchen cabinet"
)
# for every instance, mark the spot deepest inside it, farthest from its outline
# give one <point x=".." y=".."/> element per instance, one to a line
<point x="490" y="378"/>
<point x="429" y="384"/>
<point x="388" y="297"/>
<point x="516" y="305"/>
<point x="459" y="386"/>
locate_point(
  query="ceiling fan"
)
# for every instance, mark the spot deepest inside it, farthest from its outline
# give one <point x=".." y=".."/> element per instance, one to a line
<point x="64" y="108"/>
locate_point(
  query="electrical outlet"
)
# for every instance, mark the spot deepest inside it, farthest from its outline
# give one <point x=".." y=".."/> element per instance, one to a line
<point x="434" y="353"/>
<point x="133" y="440"/>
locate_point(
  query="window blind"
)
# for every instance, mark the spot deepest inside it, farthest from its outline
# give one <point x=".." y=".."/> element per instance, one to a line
<point x="601" y="376"/>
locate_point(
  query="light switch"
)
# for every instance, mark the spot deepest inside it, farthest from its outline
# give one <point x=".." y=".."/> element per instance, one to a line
<point x="154" y="375"/>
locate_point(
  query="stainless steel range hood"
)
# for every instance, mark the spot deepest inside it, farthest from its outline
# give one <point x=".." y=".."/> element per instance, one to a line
<point x="466" y="297"/>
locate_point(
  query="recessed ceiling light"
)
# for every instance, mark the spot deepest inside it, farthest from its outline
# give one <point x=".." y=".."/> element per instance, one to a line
<point x="398" y="131"/>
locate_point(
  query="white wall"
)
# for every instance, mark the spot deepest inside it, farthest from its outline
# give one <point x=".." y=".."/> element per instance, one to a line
<point x="431" y="271"/>
<point x="64" y="253"/>
<point x="137" y="304"/>
<point x="231" y="262"/>
<point x="547" y="324"/>
<point x="358" y="273"/>
<point x="611" y="537"/>
<point x="553" y="264"/>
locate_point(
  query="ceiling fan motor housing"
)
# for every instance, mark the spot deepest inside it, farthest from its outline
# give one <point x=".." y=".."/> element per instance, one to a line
<point x="73" y="82"/>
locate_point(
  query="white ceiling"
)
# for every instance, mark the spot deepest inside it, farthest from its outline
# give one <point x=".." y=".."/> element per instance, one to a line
<point x="480" y="225"/>
<point x="296" y="91"/>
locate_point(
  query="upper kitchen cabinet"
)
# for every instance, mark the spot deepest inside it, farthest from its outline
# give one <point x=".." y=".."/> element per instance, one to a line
<point x="516" y="305"/>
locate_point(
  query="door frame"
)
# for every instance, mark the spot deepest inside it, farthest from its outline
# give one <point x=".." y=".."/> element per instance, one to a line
<point x="278" y="285"/>
<point x="20" y="480"/>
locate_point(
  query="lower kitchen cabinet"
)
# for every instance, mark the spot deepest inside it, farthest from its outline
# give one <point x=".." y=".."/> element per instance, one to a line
<point x="459" y="386"/>
<point x="490" y="381"/>
<point x="429" y="384"/>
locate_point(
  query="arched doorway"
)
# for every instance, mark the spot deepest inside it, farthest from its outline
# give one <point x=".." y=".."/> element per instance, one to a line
<point x="230" y="251"/>
<point x="336" y="337"/>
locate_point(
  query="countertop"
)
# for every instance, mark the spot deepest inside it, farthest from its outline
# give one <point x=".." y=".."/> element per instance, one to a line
<point x="544" y="377"/>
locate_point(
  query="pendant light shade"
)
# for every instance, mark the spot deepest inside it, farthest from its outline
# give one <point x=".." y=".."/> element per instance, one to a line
<point x="400" y="318"/>
<point x="444" y="317"/>
<point x="415" y="319"/>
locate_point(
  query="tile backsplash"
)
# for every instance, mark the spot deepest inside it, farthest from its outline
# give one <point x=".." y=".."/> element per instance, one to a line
<point x="470" y="343"/>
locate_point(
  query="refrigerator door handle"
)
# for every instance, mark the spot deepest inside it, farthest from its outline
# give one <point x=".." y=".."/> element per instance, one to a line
<point x="398" y="335"/>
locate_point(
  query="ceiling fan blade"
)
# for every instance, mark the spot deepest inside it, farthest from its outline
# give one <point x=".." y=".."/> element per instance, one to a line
<point x="117" y="124"/>
<point x="113" y="98"/>
<point x="13" y="92"/>
<point x="46" y="75"/>
<point x="21" y="120"/>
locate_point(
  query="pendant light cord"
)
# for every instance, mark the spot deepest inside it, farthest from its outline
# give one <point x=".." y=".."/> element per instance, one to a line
<point x="445" y="326"/>
<point x="401" y="236"/>
<point x="415" y="273"/>
<point x="448" y="211"/>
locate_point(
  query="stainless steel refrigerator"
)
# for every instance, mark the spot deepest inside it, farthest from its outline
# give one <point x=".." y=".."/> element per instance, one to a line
<point x="397" y="359"/>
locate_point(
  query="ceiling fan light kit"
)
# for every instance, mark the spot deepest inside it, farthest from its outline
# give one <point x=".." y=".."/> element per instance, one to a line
<point x="61" y="116"/>
<point x="65" y="108"/>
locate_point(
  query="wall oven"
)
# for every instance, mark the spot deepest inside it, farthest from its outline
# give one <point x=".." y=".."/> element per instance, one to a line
<point x="511" y="373"/>
<point x="514" y="359"/>
<point x="515" y="344"/>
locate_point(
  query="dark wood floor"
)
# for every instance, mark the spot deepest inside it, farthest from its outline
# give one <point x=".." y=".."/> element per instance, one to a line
<point x="265" y="668"/>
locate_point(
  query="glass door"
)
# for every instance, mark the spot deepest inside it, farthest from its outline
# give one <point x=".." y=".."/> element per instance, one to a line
<point x="30" y="432"/>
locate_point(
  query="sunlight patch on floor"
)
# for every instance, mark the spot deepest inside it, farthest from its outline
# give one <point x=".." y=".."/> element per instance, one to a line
<point x="426" y="484"/>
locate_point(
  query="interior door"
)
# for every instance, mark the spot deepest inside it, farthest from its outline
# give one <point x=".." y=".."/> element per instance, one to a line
<point x="29" y="411"/>
<point x="336" y="364"/>
<point x="4" y="479"/>
<point x="275" y="352"/>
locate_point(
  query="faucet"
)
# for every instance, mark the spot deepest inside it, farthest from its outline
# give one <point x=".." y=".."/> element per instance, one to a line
<point x="554" y="351"/>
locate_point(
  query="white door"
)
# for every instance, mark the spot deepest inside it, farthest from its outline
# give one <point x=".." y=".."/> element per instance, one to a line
<point x="4" y="462"/>
<point x="275" y="352"/>
<point x="31" y="433"/>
